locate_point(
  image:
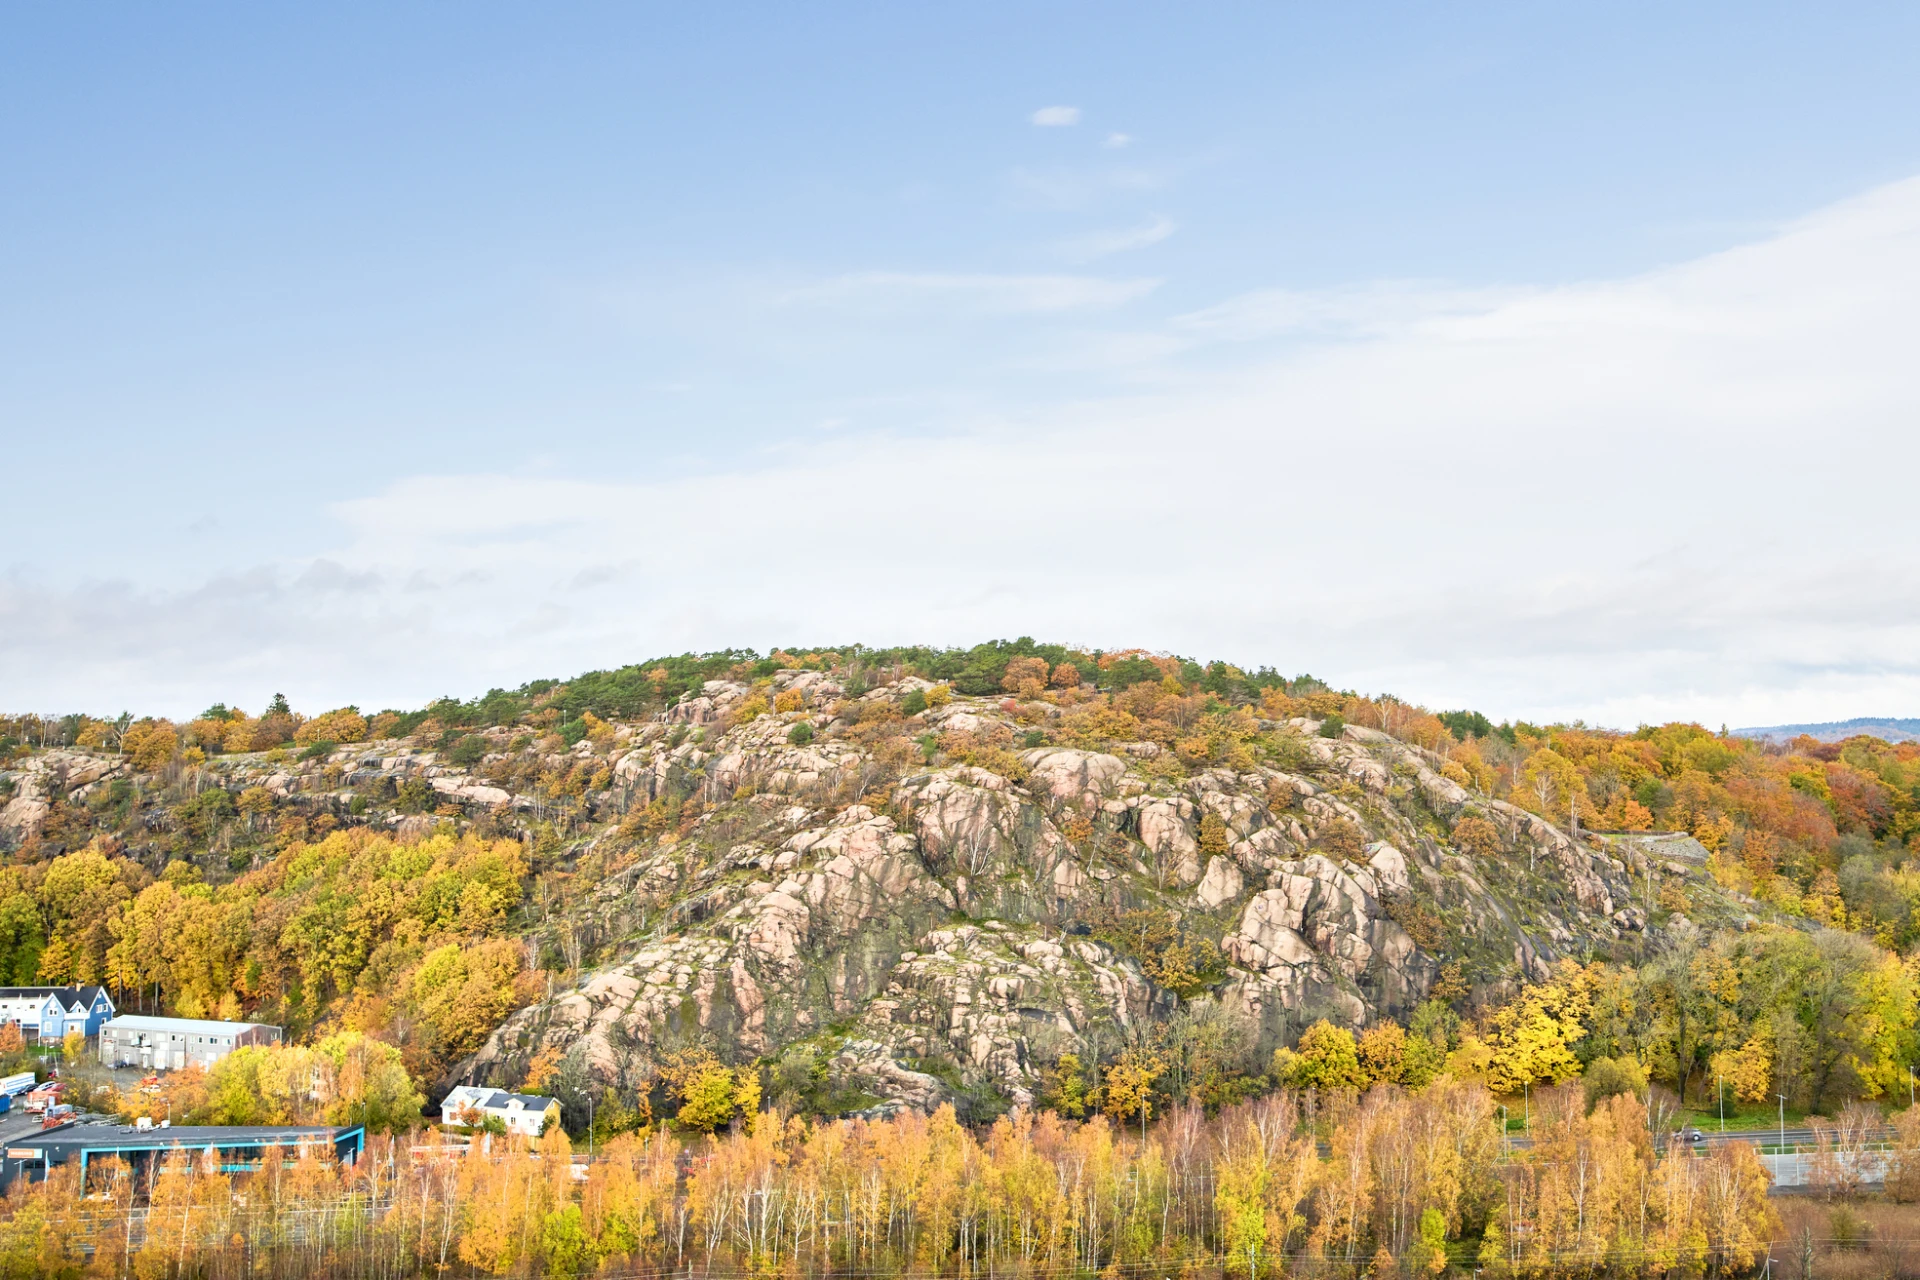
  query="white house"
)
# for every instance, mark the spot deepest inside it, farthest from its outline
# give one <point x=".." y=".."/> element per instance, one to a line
<point x="471" y="1106"/>
<point x="48" y="1013"/>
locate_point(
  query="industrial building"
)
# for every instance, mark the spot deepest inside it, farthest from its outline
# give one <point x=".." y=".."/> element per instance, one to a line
<point x="46" y="1014"/>
<point x="168" y="1044"/>
<point x="238" y="1148"/>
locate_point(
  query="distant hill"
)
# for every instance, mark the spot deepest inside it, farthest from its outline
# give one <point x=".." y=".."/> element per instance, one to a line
<point x="1885" y="728"/>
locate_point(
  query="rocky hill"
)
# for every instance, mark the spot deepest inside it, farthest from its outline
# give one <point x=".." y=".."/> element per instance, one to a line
<point x="909" y="902"/>
<point x="891" y="893"/>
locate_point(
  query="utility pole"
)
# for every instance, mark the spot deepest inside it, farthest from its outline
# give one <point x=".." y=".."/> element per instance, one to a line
<point x="1720" y="1092"/>
<point x="1783" y="1123"/>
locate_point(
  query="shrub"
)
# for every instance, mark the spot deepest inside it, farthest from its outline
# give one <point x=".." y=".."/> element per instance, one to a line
<point x="1333" y="726"/>
<point x="468" y="751"/>
<point x="1343" y="839"/>
<point x="1476" y="836"/>
<point x="914" y="703"/>
<point x="1451" y="985"/>
<point x="801" y="734"/>
<point x="879" y="711"/>
<point x="1420" y="921"/>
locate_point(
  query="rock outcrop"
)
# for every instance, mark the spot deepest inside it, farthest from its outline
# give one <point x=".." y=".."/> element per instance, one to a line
<point x="921" y="931"/>
<point x="915" y="896"/>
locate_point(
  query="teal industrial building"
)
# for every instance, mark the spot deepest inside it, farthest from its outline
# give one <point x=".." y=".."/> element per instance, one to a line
<point x="237" y="1148"/>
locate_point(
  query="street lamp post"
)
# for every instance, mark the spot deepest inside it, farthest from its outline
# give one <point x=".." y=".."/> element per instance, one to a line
<point x="1783" y="1123"/>
<point x="1720" y="1092"/>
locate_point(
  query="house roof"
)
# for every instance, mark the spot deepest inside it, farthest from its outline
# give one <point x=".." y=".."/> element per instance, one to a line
<point x="468" y="1095"/>
<point x="532" y="1101"/>
<point x="71" y="998"/>
<point x="196" y="1026"/>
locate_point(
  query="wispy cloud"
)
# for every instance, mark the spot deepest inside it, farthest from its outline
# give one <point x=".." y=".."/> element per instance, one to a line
<point x="1511" y="500"/>
<point x="1099" y="244"/>
<point x="1056" y="117"/>
<point x="1115" y="141"/>
<point x="1372" y="310"/>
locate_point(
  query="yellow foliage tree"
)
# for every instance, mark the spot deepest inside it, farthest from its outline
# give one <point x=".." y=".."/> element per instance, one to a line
<point x="1532" y="1035"/>
<point x="1749" y="1069"/>
<point x="150" y="743"/>
<point x="1128" y="1088"/>
<point x="1325" y="1058"/>
<point x="343" y="725"/>
<point x="1383" y="1053"/>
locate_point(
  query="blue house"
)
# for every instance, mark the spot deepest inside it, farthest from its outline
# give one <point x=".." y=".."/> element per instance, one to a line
<point x="48" y="1013"/>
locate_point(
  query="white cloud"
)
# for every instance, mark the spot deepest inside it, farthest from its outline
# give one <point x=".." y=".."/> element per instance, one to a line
<point x="1098" y="244"/>
<point x="1115" y="141"/>
<point x="1374" y="310"/>
<point x="1056" y="117"/>
<point x="1686" y="493"/>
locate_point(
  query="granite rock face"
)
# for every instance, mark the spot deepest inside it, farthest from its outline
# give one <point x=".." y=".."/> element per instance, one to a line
<point x="906" y="896"/>
<point x="74" y="774"/>
<point x="922" y="930"/>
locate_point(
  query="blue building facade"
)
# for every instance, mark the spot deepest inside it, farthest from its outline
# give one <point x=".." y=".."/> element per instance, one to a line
<point x="48" y="1013"/>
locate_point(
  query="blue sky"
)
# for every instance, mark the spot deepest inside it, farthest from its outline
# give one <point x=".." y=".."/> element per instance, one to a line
<point x="349" y="351"/>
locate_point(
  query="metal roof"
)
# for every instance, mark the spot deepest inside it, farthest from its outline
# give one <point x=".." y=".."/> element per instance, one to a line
<point x="199" y="1026"/>
<point x="191" y="1136"/>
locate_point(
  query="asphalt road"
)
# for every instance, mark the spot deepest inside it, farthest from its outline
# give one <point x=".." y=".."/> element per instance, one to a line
<point x="1763" y="1137"/>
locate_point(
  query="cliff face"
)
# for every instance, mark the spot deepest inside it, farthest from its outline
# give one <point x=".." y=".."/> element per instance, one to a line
<point x="913" y="930"/>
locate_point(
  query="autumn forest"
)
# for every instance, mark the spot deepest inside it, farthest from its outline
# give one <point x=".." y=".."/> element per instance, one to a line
<point x="1012" y="960"/>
